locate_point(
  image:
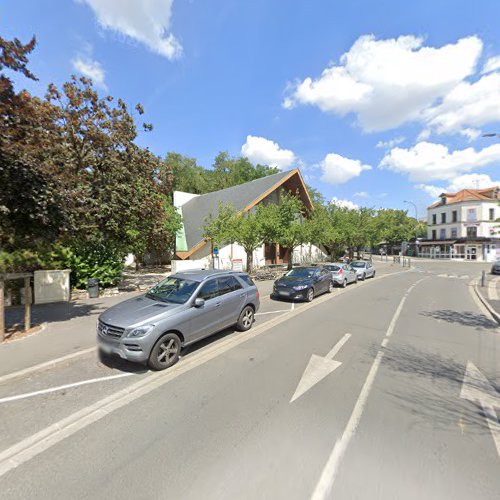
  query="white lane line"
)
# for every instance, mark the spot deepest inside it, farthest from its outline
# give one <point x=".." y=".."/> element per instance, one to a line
<point x="273" y="312"/>
<point x="390" y="330"/>
<point x="47" y="364"/>
<point x="330" y="471"/>
<point x="293" y="306"/>
<point x="62" y="387"/>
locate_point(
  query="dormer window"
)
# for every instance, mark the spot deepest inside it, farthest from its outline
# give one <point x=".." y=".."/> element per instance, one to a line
<point x="443" y="200"/>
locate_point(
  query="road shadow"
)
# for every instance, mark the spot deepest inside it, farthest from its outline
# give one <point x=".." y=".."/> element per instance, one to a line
<point x="428" y="385"/>
<point x="114" y="362"/>
<point x="465" y="318"/>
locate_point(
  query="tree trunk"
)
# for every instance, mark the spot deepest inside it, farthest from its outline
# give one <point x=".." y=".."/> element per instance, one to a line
<point x="290" y="258"/>
<point x="249" y="260"/>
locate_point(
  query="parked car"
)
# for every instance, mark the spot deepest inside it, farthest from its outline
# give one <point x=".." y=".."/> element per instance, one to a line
<point x="364" y="269"/>
<point x="495" y="268"/>
<point x="182" y="309"/>
<point x="303" y="283"/>
<point x="342" y="274"/>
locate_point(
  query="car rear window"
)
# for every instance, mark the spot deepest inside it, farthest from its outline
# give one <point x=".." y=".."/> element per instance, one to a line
<point x="246" y="279"/>
<point x="333" y="268"/>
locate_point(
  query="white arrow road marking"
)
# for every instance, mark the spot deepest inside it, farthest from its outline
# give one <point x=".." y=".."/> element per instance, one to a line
<point x="318" y="368"/>
<point x="476" y="388"/>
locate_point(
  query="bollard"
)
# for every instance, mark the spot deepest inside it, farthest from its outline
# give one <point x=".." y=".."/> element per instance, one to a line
<point x="483" y="278"/>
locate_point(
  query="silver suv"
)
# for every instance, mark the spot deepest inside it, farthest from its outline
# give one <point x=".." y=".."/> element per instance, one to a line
<point x="182" y="309"/>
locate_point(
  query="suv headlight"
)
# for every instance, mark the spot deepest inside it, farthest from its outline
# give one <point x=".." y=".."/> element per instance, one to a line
<point x="140" y="331"/>
<point x="300" y="287"/>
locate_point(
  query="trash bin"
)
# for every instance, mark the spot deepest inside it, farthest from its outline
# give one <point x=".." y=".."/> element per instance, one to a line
<point x="93" y="288"/>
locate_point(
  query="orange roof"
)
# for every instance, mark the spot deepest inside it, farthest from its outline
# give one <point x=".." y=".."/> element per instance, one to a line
<point x="487" y="194"/>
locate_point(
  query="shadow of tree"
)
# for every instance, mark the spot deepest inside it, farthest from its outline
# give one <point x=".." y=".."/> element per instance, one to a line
<point x="433" y="396"/>
<point x="465" y="318"/>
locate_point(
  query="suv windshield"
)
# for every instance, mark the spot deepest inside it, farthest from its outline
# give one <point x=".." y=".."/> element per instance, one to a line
<point x="174" y="290"/>
<point x="358" y="263"/>
<point x="301" y="273"/>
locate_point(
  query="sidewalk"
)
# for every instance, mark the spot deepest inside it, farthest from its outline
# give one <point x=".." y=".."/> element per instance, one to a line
<point x="69" y="327"/>
<point x="491" y="293"/>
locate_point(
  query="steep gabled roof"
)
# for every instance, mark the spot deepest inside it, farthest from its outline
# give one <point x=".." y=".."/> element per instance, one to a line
<point x="487" y="194"/>
<point x="242" y="197"/>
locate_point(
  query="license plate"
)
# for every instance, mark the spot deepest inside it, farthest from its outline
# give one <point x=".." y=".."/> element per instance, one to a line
<point x="106" y="348"/>
<point x="284" y="293"/>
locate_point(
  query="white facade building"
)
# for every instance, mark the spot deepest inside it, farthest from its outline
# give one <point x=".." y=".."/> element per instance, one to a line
<point x="195" y="252"/>
<point x="464" y="225"/>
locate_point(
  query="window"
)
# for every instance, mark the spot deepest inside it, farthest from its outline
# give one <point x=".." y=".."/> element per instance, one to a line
<point x="228" y="284"/>
<point x="471" y="215"/>
<point x="174" y="290"/>
<point x="443" y="218"/>
<point x="454" y="232"/>
<point x="209" y="290"/>
<point x="442" y="234"/>
<point x="492" y="214"/>
<point x="433" y="234"/>
<point x="434" y="218"/>
<point x="454" y="216"/>
<point x="246" y="279"/>
<point x="472" y="232"/>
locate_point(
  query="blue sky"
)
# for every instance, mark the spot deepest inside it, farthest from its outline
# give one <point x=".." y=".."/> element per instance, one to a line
<point x="377" y="102"/>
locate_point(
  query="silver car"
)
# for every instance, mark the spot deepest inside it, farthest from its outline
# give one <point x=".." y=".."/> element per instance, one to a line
<point x="342" y="274"/>
<point x="364" y="269"/>
<point x="182" y="309"/>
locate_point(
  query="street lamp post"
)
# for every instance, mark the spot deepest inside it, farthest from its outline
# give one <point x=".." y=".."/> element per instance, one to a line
<point x="416" y="225"/>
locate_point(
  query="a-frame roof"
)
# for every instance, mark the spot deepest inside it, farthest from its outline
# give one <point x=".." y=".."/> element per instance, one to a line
<point x="242" y="198"/>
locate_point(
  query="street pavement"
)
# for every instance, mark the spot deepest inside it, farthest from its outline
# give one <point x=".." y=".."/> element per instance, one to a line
<point x="358" y="395"/>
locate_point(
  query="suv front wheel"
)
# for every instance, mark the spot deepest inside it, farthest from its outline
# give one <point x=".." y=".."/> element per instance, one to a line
<point x="165" y="352"/>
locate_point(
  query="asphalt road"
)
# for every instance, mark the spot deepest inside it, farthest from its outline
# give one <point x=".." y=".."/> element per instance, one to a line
<point x="359" y="395"/>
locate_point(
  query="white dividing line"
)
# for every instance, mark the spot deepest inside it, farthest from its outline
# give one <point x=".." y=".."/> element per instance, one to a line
<point x="330" y="471"/>
<point x="47" y="364"/>
<point x="62" y="387"/>
<point x="273" y="312"/>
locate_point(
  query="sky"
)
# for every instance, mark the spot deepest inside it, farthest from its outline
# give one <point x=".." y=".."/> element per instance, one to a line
<point x="376" y="102"/>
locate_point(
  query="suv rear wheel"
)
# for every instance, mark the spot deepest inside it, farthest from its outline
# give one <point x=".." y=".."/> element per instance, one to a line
<point x="245" y="321"/>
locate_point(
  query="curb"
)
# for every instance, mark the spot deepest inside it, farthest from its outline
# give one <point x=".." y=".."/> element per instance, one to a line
<point x="486" y="304"/>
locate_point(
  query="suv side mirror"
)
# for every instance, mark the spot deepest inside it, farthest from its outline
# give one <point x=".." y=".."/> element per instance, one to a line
<point x="199" y="302"/>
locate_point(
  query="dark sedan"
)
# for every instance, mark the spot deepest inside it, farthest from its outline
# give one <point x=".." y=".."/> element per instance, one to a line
<point x="303" y="283"/>
<point x="495" y="268"/>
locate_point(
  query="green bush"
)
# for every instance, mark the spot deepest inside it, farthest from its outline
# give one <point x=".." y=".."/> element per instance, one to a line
<point x="96" y="261"/>
<point x="28" y="260"/>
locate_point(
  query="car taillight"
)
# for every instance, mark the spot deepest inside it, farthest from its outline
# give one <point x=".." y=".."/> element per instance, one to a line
<point x="340" y="271"/>
<point x="258" y="295"/>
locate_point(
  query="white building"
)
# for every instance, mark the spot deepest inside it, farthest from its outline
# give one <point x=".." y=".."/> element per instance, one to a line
<point x="194" y="251"/>
<point x="464" y="225"/>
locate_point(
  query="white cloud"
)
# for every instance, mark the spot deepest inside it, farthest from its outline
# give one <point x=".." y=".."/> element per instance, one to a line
<point x="91" y="69"/>
<point x="147" y="21"/>
<point x="492" y="64"/>
<point x="361" y="194"/>
<point x="388" y="82"/>
<point x="390" y="143"/>
<point x="467" y="107"/>
<point x="429" y="161"/>
<point x="424" y="135"/>
<point x="266" y="152"/>
<point x="344" y="203"/>
<point x="337" y="169"/>
<point x="467" y="181"/>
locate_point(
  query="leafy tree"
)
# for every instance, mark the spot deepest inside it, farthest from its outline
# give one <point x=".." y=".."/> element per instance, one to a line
<point x="249" y="232"/>
<point x="219" y="228"/>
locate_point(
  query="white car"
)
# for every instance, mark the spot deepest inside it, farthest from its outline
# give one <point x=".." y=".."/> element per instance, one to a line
<point x="364" y="269"/>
